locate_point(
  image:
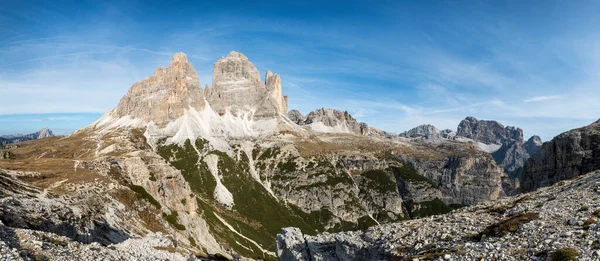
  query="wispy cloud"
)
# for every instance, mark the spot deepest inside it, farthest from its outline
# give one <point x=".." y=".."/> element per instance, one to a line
<point x="543" y="98"/>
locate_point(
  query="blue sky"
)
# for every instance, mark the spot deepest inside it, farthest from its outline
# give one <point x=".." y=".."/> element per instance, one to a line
<point x="394" y="64"/>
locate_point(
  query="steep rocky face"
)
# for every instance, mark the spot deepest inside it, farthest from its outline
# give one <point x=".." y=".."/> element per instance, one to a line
<point x="164" y="96"/>
<point x="488" y="131"/>
<point x="505" y="145"/>
<point x="462" y="179"/>
<point x="237" y="88"/>
<point x="534" y="226"/>
<point x="425" y="131"/>
<point x="533" y="144"/>
<point x="567" y="155"/>
<point x="512" y="155"/>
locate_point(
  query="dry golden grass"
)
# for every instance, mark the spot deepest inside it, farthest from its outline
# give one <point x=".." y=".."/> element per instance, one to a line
<point x="54" y="158"/>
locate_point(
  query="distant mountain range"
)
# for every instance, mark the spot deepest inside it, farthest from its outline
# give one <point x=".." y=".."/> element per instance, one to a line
<point x="8" y="139"/>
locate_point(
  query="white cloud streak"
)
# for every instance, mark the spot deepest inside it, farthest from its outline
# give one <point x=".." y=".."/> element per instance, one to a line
<point x="543" y="98"/>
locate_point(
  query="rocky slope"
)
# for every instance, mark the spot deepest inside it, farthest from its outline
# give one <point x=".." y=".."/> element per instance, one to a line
<point x="221" y="170"/>
<point x="567" y="155"/>
<point x="554" y="223"/>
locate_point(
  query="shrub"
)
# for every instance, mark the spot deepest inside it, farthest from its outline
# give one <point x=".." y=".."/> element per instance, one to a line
<point x="587" y="223"/>
<point x="172" y="219"/>
<point x="597" y="213"/>
<point x="510" y="225"/>
<point x="140" y="192"/>
<point x="565" y="254"/>
<point x="584" y="208"/>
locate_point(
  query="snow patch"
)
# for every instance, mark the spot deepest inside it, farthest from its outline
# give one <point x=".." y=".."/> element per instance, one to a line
<point x="221" y="194"/>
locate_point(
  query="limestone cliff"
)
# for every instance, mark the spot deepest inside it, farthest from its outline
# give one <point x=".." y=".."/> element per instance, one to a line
<point x="237" y="88"/>
<point x="567" y="155"/>
<point x="164" y="96"/>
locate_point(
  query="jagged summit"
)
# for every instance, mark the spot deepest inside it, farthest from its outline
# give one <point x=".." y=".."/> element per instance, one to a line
<point x="488" y="132"/>
<point x="171" y="91"/>
<point x="164" y="96"/>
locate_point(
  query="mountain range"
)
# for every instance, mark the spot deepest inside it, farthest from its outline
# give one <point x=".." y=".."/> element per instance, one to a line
<point x="218" y="171"/>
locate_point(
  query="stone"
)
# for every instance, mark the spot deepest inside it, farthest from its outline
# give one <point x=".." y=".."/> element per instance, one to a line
<point x="488" y="132"/>
<point x="425" y="132"/>
<point x="238" y="89"/>
<point x="164" y="96"/>
<point x="291" y="246"/>
<point x="533" y="144"/>
<point x="566" y="156"/>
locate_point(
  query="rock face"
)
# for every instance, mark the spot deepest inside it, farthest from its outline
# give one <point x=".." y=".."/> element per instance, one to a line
<point x="534" y="226"/>
<point x="488" y="131"/>
<point x="296" y="117"/>
<point x="533" y="144"/>
<point x="462" y="180"/>
<point x="44" y="133"/>
<point x="237" y="88"/>
<point x="330" y="120"/>
<point x="425" y="131"/>
<point x="447" y="134"/>
<point x="164" y="96"/>
<point x="512" y="152"/>
<point x="567" y="155"/>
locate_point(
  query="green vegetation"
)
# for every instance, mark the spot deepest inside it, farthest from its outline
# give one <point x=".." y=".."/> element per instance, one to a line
<point x="427" y="208"/>
<point x="192" y="242"/>
<point x="172" y="219"/>
<point x="141" y="193"/>
<point x="380" y="180"/>
<point x="193" y="170"/>
<point x="597" y="213"/>
<point x="269" y="153"/>
<point x="408" y="173"/>
<point x="588" y="222"/>
<point x="500" y="209"/>
<point x="510" y="225"/>
<point x="152" y="177"/>
<point x="584" y="208"/>
<point x="289" y="166"/>
<point x="565" y="254"/>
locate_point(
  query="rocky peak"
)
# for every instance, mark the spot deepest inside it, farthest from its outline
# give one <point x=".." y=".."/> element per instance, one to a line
<point x="164" y="96"/>
<point x="237" y="88"/>
<point x="44" y="133"/>
<point x="533" y="144"/>
<point x="426" y="131"/>
<point x="333" y="121"/>
<point x="489" y="132"/>
<point x="296" y="116"/>
<point x="229" y="71"/>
